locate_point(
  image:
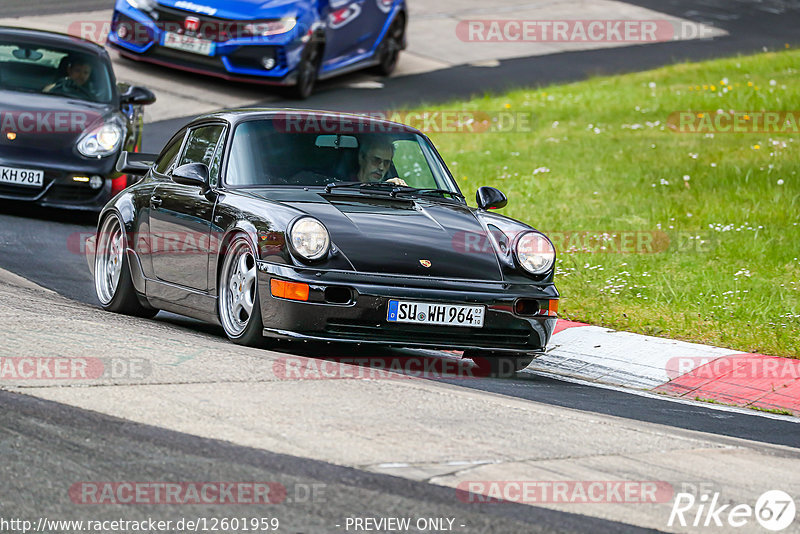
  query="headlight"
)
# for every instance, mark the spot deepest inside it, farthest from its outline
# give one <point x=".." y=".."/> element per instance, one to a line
<point x="144" y="5"/>
<point x="309" y="238"/>
<point x="273" y="27"/>
<point x="101" y="141"/>
<point x="535" y="253"/>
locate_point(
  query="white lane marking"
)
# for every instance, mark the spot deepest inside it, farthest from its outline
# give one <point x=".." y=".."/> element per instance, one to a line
<point x="623" y="358"/>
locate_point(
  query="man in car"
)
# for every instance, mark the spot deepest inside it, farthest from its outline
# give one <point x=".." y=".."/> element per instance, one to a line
<point x="77" y="82"/>
<point x="375" y="160"/>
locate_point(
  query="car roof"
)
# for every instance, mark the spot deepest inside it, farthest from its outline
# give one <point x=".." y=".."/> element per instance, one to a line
<point x="236" y="116"/>
<point x="46" y="38"/>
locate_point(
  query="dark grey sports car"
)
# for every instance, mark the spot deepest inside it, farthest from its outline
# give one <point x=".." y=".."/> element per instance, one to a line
<point x="63" y="121"/>
<point x="303" y="225"/>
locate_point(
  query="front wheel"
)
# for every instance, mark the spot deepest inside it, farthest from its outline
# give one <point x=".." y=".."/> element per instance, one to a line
<point x="112" y="274"/>
<point x="238" y="302"/>
<point x="498" y="366"/>
<point x="392" y="44"/>
<point x="307" y="73"/>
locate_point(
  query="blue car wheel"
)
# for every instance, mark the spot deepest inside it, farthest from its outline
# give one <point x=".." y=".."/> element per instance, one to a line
<point x="307" y="72"/>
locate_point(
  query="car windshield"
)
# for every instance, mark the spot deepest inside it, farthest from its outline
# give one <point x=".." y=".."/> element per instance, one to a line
<point x="54" y="71"/>
<point x="271" y="152"/>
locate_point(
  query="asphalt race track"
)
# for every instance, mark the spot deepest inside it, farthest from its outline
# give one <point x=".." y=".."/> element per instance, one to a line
<point x="46" y="446"/>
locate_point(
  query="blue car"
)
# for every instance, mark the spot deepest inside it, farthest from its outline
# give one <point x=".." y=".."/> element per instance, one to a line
<point x="278" y="42"/>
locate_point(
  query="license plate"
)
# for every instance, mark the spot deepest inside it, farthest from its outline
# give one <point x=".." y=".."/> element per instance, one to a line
<point x="26" y="177"/>
<point x="435" y="314"/>
<point x="187" y="43"/>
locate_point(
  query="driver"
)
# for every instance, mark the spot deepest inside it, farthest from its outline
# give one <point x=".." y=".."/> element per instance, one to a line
<point x="77" y="81"/>
<point x="374" y="161"/>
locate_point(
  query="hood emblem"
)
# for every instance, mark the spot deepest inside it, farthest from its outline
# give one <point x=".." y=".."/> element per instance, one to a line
<point x="192" y="24"/>
<point x="425" y="263"/>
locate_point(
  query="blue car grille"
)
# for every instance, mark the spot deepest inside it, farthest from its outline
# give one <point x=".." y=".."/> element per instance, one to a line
<point x="214" y="29"/>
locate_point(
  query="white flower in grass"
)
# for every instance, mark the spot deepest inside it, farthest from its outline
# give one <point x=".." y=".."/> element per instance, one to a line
<point x="652" y="85"/>
<point x="780" y="182"/>
<point x="686" y="178"/>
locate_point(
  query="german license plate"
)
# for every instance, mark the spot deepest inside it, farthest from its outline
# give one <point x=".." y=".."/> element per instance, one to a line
<point x="187" y="43"/>
<point x="26" y="177"/>
<point x="401" y="311"/>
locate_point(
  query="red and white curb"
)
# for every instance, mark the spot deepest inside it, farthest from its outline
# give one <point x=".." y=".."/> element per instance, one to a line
<point x="676" y="368"/>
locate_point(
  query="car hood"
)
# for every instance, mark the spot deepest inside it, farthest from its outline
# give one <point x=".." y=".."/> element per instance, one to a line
<point x="44" y="122"/>
<point x="239" y="9"/>
<point x="402" y="236"/>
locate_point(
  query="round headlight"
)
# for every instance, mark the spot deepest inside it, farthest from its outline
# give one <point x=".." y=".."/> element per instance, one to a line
<point x="535" y="253"/>
<point x="309" y="238"/>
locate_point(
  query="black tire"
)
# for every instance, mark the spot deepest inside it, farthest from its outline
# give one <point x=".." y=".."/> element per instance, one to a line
<point x="389" y="49"/>
<point x="230" y="305"/>
<point x="499" y="365"/>
<point x="120" y="296"/>
<point x="307" y="73"/>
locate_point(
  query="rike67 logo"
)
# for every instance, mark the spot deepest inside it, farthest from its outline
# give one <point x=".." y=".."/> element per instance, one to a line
<point x="774" y="510"/>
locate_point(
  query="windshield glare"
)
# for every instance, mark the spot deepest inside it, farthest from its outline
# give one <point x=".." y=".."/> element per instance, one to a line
<point x="264" y="154"/>
<point x="53" y="71"/>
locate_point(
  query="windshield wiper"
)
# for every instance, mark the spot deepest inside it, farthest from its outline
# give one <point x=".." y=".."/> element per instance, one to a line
<point x="413" y="190"/>
<point x="395" y="189"/>
<point x="360" y="185"/>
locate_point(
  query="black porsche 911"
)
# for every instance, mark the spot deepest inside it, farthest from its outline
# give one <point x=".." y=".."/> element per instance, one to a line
<point x="302" y="225"/>
<point x="63" y="121"/>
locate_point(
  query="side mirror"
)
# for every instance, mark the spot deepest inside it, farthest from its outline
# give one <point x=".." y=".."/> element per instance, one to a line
<point x="138" y="96"/>
<point x="195" y="174"/>
<point x="135" y="163"/>
<point x="489" y="198"/>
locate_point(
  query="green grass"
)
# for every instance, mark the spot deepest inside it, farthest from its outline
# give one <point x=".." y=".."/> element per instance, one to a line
<point x="607" y="164"/>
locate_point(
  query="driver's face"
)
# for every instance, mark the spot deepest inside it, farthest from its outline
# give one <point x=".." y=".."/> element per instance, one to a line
<point x="376" y="163"/>
<point x="79" y="74"/>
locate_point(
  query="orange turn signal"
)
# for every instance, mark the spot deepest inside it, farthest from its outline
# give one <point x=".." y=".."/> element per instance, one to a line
<point x="552" y="308"/>
<point x="289" y="290"/>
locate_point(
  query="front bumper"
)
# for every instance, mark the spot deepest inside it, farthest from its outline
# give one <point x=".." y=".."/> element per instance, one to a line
<point x="363" y="319"/>
<point x="59" y="190"/>
<point x="234" y="59"/>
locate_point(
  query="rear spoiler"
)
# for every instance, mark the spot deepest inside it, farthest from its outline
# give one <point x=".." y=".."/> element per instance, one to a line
<point x="135" y="163"/>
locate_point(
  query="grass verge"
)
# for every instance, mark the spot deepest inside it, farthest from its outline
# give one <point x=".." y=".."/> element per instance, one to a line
<point x="598" y="166"/>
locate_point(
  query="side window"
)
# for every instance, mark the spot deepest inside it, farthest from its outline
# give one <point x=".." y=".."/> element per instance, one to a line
<point x="412" y="166"/>
<point x="167" y="161"/>
<point x="201" y="147"/>
<point x="213" y="170"/>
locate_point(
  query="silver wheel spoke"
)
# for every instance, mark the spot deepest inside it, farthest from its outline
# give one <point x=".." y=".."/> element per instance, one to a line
<point x="237" y="310"/>
<point x="247" y="303"/>
<point x="242" y="266"/>
<point x="249" y="279"/>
